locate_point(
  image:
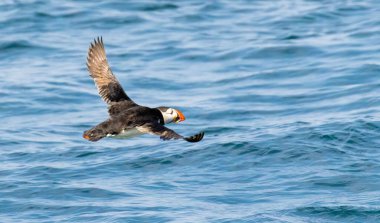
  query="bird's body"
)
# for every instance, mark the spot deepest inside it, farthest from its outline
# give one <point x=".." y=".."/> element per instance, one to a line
<point x="126" y="134"/>
<point x="126" y="118"/>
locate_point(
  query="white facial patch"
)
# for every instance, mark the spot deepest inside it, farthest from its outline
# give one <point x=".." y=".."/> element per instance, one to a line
<point x="169" y="115"/>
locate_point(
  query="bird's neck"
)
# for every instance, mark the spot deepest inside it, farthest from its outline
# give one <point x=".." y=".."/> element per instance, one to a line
<point x="160" y="116"/>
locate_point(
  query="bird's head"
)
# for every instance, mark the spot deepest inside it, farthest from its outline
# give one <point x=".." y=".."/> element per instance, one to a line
<point x="171" y="115"/>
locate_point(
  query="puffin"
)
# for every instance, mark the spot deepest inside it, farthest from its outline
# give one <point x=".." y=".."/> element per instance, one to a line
<point x="126" y="118"/>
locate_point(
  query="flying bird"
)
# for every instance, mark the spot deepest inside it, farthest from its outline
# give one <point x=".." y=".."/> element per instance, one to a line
<point x="126" y="118"/>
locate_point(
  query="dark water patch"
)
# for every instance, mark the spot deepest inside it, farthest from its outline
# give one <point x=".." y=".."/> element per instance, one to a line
<point x="292" y="37"/>
<point x="221" y="130"/>
<point x="340" y="213"/>
<point x="194" y="57"/>
<point x="64" y="193"/>
<point x="139" y="6"/>
<point x="284" y="52"/>
<point x="85" y="154"/>
<point x="114" y="22"/>
<point x="21" y="48"/>
<point x="16" y="45"/>
<point x="72" y="212"/>
<point x="60" y="14"/>
<point x="159" y="7"/>
<point x="193" y="18"/>
<point x="358" y="8"/>
<point x="242" y="199"/>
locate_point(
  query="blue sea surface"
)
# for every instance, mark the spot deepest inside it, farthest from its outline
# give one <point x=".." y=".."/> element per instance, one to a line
<point x="287" y="92"/>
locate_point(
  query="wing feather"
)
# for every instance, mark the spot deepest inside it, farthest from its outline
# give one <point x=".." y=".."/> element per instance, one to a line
<point x="108" y="86"/>
<point x="166" y="133"/>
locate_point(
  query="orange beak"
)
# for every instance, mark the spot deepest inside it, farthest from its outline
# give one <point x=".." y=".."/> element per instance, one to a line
<point x="86" y="136"/>
<point x="181" y="116"/>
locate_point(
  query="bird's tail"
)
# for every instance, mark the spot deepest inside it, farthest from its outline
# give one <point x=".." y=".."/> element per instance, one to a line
<point x="98" y="132"/>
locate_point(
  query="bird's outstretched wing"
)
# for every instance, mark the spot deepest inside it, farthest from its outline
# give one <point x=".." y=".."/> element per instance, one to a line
<point x="108" y="86"/>
<point x="166" y="133"/>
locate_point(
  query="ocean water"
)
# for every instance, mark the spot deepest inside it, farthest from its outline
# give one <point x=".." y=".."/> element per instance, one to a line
<point x="287" y="91"/>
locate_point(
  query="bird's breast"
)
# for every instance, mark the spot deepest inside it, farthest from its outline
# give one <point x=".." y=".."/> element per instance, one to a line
<point x="126" y="134"/>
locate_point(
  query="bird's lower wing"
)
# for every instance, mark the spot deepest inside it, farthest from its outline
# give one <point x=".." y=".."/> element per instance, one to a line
<point x="166" y="133"/>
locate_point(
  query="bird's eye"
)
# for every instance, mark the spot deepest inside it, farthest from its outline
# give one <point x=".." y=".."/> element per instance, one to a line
<point x="170" y="111"/>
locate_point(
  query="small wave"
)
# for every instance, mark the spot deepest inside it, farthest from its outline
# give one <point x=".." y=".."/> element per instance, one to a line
<point x="341" y="213"/>
<point x="283" y="52"/>
<point x="22" y="45"/>
<point x="159" y="7"/>
<point x="51" y="15"/>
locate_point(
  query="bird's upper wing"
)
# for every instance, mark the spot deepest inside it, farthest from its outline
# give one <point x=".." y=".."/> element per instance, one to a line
<point x="166" y="133"/>
<point x="108" y="86"/>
